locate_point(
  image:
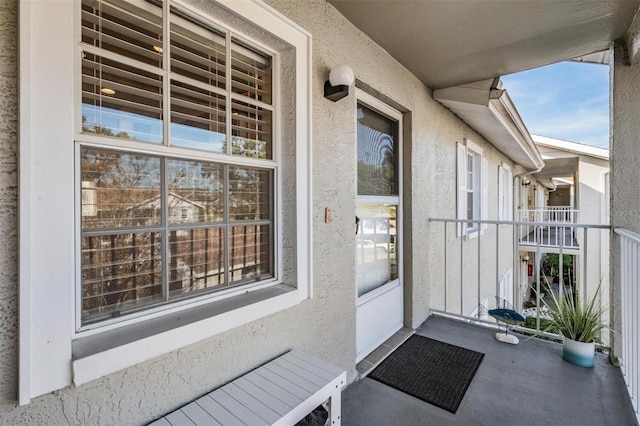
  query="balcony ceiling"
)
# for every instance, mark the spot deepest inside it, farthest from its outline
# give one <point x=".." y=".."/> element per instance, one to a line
<point x="447" y="43"/>
<point x="558" y="168"/>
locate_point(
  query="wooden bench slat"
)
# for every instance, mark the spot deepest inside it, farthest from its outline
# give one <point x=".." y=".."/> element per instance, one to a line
<point x="160" y="422"/>
<point x="253" y="404"/>
<point x="330" y="368"/>
<point x="236" y="408"/>
<point x="290" y="387"/>
<point x="291" y="377"/>
<point x="198" y="415"/>
<point x="314" y="368"/>
<point x="261" y="394"/>
<point x="178" y="418"/>
<point x="302" y="372"/>
<point x="217" y="411"/>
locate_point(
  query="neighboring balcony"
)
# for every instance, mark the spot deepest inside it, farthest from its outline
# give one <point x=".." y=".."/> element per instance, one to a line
<point x="546" y="227"/>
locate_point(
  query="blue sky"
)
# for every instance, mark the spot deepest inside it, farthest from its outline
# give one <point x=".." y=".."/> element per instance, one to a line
<point x="567" y="100"/>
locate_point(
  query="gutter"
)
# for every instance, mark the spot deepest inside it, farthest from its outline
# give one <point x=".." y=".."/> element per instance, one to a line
<point x="488" y="109"/>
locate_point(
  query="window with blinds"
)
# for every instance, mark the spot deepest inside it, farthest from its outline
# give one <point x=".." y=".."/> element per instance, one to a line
<point x="159" y="226"/>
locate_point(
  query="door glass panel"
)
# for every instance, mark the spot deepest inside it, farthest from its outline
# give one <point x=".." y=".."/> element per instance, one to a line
<point x="376" y="260"/>
<point x="377" y="136"/>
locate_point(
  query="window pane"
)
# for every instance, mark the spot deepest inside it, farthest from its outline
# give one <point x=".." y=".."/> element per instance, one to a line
<point x="197" y="50"/>
<point x="376" y="260"/>
<point x="196" y="260"/>
<point x="120" y="272"/>
<point x="377" y="137"/>
<point x="198" y="118"/>
<point x="251" y="131"/>
<point x="250" y="72"/>
<point x="120" y="100"/>
<point x="250" y="255"/>
<point x="119" y="189"/>
<point x="249" y="194"/>
<point x="132" y="29"/>
<point x="195" y="191"/>
<point x="470" y="198"/>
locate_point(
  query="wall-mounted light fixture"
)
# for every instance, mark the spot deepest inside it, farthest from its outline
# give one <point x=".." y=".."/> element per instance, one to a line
<point x="525" y="258"/>
<point x="526" y="182"/>
<point x="340" y="78"/>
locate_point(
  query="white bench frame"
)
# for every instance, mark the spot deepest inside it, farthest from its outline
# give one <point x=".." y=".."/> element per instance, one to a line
<point x="280" y="392"/>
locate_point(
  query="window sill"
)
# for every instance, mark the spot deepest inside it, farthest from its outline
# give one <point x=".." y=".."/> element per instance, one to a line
<point x="105" y="353"/>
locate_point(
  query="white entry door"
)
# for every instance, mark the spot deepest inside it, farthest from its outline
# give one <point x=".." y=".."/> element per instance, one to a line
<point x="379" y="298"/>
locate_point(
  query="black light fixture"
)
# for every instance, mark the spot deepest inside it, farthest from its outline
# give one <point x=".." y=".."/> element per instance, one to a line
<point x="340" y="78"/>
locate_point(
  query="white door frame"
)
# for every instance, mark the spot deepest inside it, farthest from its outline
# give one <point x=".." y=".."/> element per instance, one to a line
<point x="381" y="311"/>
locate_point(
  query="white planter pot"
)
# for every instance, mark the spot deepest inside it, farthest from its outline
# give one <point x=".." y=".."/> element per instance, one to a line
<point x="578" y="353"/>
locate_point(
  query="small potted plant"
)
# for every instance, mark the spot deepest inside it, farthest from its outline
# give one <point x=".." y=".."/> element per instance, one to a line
<point x="579" y="323"/>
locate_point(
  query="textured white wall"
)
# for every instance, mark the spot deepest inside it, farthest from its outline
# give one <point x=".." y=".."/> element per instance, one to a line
<point x="8" y="199"/>
<point x="625" y="157"/>
<point x="325" y="325"/>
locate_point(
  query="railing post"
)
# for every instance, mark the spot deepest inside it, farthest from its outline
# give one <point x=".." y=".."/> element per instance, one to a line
<point x="479" y="265"/>
<point x="446" y="262"/>
<point x="461" y="271"/>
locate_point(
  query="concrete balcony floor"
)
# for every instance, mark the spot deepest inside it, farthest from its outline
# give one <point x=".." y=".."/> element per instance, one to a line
<point x="524" y="384"/>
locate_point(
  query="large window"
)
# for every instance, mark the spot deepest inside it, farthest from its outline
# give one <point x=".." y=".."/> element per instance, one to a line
<point x="165" y="179"/>
<point x="157" y="228"/>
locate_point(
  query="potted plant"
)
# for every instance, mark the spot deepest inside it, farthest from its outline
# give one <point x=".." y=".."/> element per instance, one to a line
<point x="579" y="323"/>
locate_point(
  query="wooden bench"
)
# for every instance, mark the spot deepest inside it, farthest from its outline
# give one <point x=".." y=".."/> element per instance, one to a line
<point x="280" y="392"/>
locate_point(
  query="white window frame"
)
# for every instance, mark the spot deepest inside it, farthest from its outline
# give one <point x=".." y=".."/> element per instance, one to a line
<point x="505" y="192"/>
<point x="51" y="354"/>
<point x="479" y="190"/>
<point x="387" y="111"/>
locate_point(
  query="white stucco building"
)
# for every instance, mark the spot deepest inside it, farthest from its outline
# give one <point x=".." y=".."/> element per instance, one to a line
<point x="305" y="221"/>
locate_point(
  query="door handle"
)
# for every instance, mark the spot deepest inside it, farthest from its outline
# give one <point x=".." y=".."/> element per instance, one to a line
<point x="357" y="224"/>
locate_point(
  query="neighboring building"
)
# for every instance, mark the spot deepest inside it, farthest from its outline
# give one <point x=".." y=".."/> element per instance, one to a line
<point x="573" y="187"/>
<point x="245" y="214"/>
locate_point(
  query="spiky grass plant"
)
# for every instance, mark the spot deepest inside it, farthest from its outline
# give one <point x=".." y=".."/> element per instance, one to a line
<point x="576" y="320"/>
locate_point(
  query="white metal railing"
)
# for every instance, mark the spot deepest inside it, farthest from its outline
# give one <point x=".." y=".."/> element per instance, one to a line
<point x="472" y="271"/>
<point x="546" y="226"/>
<point x="629" y="274"/>
<point x="557" y="214"/>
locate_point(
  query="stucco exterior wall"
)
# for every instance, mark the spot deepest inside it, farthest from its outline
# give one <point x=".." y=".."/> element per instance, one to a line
<point x="8" y="200"/>
<point x="625" y="156"/>
<point x="325" y="325"/>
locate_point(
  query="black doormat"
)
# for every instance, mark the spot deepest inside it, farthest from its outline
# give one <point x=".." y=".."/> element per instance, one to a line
<point x="434" y="371"/>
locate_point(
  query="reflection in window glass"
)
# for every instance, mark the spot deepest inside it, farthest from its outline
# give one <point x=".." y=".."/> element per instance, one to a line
<point x="195" y="191"/>
<point x="120" y="272"/>
<point x="251" y="131"/>
<point x="119" y="189"/>
<point x="249" y="194"/>
<point x="377" y="136"/>
<point x="250" y="254"/>
<point x="196" y="260"/>
<point x="376" y="260"/>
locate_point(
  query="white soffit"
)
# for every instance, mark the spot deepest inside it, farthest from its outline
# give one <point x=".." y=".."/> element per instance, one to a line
<point x="571" y="147"/>
<point x="486" y="108"/>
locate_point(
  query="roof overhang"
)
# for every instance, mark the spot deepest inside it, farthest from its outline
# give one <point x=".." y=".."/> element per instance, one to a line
<point x="488" y="109"/>
<point x="558" y="168"/>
